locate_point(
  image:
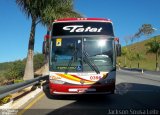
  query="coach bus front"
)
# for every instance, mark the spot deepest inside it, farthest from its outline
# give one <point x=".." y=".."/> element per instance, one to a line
<point x="82" y="57"/>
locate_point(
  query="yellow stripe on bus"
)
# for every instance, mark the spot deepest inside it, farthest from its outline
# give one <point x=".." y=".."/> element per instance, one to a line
<point x="70" y="77"/>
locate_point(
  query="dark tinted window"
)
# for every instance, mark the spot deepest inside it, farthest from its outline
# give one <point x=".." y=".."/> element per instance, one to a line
<point x="82" y="28"/>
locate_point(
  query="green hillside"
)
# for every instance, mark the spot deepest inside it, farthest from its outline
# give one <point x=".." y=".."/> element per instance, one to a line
<point x="15" y="69"/>
<point x="149" y="60"/>
<point x="4" y="67"/>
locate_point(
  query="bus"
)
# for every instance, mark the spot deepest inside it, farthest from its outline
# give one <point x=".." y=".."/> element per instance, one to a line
<point x="82" y="56"/>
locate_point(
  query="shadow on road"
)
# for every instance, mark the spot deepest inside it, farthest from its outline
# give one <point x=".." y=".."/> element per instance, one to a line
<point x="129" y="97"/>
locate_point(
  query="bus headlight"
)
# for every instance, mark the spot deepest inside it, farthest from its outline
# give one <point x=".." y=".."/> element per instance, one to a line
<point x="57" y="81"/>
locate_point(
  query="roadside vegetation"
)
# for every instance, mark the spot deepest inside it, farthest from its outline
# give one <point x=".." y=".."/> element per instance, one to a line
<point x="144" y="54"/>
<point x="138" y="55"/>
<point x="12" y="72"/>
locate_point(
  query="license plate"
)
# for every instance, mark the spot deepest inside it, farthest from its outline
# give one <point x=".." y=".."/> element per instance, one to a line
<point x="82" y="90"/>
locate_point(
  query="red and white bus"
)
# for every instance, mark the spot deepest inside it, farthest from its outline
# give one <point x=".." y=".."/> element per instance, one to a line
<point x="82" y="56"/>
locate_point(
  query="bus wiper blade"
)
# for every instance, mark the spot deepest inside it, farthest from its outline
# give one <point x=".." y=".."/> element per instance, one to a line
<point x="90" y="63"/>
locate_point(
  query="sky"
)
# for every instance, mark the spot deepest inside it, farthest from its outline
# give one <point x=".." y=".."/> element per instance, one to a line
<point x="127" y="17"/>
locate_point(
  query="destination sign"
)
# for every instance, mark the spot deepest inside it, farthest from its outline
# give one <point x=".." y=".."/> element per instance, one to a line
<point x="82" y="28"/>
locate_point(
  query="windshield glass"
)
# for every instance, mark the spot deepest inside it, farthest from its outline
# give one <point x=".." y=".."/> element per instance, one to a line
<point x="100" y="52"/>
<point x="77" y="54"/>
<point x="65" y="54"/>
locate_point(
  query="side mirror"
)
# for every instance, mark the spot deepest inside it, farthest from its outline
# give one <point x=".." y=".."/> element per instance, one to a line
<point x="45" y="47"/>
<point x="118" y="49"/>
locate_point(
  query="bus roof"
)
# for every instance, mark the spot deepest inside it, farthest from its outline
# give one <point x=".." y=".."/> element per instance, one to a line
<point x="82" y="19"/>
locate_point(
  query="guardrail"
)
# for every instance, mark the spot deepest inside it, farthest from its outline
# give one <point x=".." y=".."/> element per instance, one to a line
<point x="9" y="89"/>
<point x="133" y="69"/>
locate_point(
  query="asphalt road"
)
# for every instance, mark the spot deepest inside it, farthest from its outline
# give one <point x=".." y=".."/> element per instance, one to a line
<point x="135" y="94"/>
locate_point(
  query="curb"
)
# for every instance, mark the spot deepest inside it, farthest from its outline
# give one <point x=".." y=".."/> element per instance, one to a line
<point x="7" y="105"/>
<point x="18" y="103"/>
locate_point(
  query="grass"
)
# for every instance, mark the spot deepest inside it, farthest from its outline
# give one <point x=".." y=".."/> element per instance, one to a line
<point x="148" y="62"/>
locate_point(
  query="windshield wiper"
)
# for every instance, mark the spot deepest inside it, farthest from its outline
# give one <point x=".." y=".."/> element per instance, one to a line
<point x="90" y="63"/>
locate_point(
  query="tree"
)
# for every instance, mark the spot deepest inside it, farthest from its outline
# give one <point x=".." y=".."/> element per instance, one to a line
<point x="32" y="9"/>
<point x="138" y="57"/>
<point x="41" y="11"/>
<point x="129" y="38"/>
<point x="124" y="53"/>
<point x="130" y="56"/>
<point x="154" y="47"/>
<point x="58" y="9"/>
<point x="38" y="61"/>
<point x="145" y="29"/>
<point x="16" y="70"/>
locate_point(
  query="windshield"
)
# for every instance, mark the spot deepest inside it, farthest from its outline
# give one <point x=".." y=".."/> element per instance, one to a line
<point x="80" y="54"/>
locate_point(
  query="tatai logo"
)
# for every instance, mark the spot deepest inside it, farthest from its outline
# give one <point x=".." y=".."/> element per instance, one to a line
<point x="80" y="28"/>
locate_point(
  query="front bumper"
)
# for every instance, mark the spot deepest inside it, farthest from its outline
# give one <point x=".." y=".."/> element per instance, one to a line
<point x="81" y="89"/>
